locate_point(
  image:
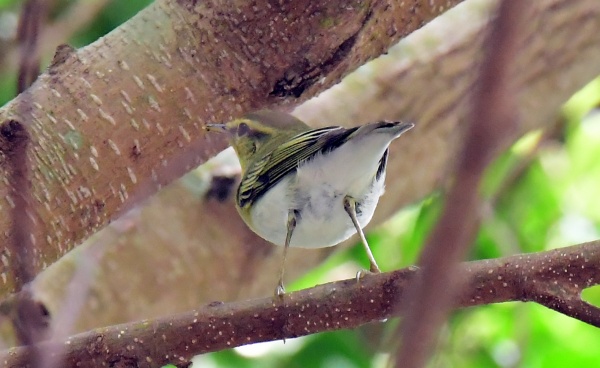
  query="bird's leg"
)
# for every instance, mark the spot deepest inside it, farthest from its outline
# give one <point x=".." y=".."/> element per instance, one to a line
<point x="350" y="207"/>
<point x="291" y="225"/>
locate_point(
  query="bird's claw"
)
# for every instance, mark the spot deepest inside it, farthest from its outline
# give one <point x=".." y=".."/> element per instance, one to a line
<point x="361" y="273"/>
<point x="279" y="291"/>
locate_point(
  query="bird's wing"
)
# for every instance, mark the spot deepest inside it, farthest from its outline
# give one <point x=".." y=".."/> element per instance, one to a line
<point x="269" y="170"/>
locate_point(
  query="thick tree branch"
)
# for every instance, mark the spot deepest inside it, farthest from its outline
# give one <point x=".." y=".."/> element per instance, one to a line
<point x="333" y="306"/>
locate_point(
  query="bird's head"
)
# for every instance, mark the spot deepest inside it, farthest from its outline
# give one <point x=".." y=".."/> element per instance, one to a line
<point x="258" y="132"/>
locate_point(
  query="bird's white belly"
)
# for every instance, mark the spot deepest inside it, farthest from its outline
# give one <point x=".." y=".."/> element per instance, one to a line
<point x="322" y="221"/>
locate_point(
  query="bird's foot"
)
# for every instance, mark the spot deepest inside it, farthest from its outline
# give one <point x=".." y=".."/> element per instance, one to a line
<point x="362" y="273"/>
<point x="279" y="291"/>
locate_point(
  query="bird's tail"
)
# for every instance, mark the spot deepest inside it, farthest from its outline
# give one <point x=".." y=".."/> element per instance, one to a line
<point x="392" y="128"/>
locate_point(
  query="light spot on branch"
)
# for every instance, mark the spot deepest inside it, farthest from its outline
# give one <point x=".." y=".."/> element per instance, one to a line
<point x="94" y="164"/>
<point x="51" y="118"/>
<point x="187" y="113"/>
<point x="154" y="104"/>
<point x="85" y="82"/>
<point x="160" y="128"/>
<point x="124" y="191"/>
<point x="189" y="95"/>
<point x="104" y="115"/>
<point x="126" y="96"/>
<point x="83" y="192"/>
<point x="139" y="82"/>
<point x="96" y="99"/>
<point x="10" y="201"/>
<point x="134" y="124"/>
<point x="127" y="108"/>
<point x="82" y="115"/>
<point x="114" y="147"/>
<point x="69" y="124"/>
<point x="154" y="82"/>
<point x="131" y="175"/>
<point x="71" y="196"/>
<point x="185" y="134"/>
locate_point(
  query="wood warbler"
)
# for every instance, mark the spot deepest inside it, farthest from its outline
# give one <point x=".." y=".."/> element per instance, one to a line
<point x="310" y="188"/>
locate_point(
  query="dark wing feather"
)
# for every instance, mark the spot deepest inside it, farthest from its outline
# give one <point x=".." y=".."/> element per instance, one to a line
<point x="382" y="164"/>
<point x="268" y="171"/>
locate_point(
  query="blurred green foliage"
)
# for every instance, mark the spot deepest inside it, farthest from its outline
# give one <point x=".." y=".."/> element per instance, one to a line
<point x="540" y="194"/>
<point x="6" y="4"/>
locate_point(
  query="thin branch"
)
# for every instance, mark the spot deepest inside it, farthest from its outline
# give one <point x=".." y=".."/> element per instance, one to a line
<point x="338" y="305"/>
<point x="492" y="123"/>
<point x="577" y="308"/>
<point x="28" y="33"/>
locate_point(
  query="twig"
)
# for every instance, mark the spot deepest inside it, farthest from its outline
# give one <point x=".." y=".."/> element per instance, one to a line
<point x="492" y="122"/>
<point x="28" y="32"/>
<point x="333" y="306"/>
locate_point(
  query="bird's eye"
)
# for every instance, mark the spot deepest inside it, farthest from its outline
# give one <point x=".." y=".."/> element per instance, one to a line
<point x="243" y="129"/>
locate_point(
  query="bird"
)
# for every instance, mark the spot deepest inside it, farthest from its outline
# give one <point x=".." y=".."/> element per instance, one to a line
<point x="309" y="188"/>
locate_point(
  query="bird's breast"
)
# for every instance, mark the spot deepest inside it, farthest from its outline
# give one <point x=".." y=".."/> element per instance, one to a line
<point x="321" y="219"/>
<point x="315" y="192"/>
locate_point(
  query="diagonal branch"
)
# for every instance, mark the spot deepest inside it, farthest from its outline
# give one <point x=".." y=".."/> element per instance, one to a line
<point x="333" y="306"/>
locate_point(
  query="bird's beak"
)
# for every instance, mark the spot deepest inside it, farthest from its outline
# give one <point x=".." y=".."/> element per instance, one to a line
<point x="217" y="127"/>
